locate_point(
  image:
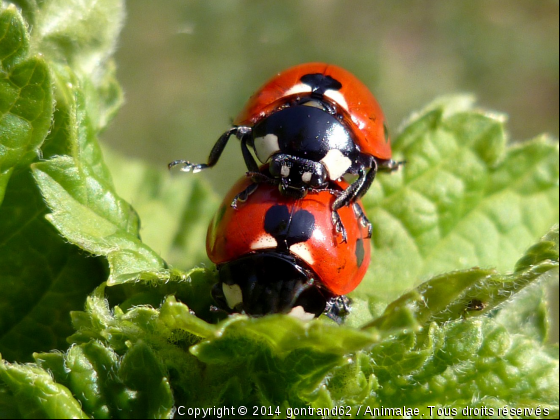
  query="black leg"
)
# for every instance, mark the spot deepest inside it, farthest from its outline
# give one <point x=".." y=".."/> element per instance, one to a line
<point x="220" y="145"/>
<point x="368" y="181"/>
<point x="215" y="153"/>
<point x="390" y="165"/>
<point x="337" y="223"/>
<point x="350" y="193"/>
<point x="344" y="199"/>
<point x="359" y="212"/>
<point x="259" y="177"/>
<point x="244" y="195"/>
<point x="247" y="156"/>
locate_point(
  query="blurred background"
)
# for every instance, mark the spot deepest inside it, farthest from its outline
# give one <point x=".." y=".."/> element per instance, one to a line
<point x="188" y="67"/>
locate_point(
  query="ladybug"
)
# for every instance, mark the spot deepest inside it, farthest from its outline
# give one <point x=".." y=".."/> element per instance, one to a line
<point x="276" y="254"/>
<point x="311" y="124"/>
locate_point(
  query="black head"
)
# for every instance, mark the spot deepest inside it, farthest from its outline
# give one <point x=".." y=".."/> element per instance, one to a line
<point x="296" y="175"/>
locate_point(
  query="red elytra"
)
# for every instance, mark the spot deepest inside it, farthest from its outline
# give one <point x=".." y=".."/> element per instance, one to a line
<point x="339" y="266"/>
<point x="353" y="101"/>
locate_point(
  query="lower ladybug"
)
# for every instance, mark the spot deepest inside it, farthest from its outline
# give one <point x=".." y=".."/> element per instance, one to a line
<point x="277" y="254"/>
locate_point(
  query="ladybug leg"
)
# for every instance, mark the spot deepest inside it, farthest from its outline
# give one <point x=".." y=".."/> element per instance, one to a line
<point x="244" y="195"/>
<point x="391" y="165"/>
<point x="260" y="177"/>
<point x="247" y="156"/>
<point x="337" y="223"/>
<point x="215" y="153"/>
<point x="361" y="216"/>
<point x="338" y="308"/>
<point x="354" y="190"/>
<point x="362" y="189"/>
<point x="188" y="166"/>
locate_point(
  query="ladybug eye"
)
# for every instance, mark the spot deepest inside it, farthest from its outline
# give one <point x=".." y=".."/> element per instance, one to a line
<point x="316" y="178"/>
<point x="319" y="179"/>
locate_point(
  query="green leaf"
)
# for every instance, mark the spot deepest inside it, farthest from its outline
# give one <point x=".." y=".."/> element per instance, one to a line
<point x="470" y="292"/>
<point x="42" y="277"/>
<point x="26" y="99"/>
<point x="461" y="200"/>
<point x="101" y="232"/>
<point x="128" y="361"/>
<point x="108" y="386"/>
<point x="36" y="393"/>
<point x="465" y="361"/>
<point x="143" y="373"/>
<point x="81" y="36"/>
<point x="86" y="209"/>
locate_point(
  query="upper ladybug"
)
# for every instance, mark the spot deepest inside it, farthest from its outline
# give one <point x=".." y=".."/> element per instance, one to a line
<point x="312" y="124"/>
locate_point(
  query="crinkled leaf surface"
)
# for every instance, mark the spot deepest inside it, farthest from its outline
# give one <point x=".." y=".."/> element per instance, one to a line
<point x="466" y="359"/>
<point x="81" y="35"/>
<point x="42" y="276"/>
<point x="462" y="199"/>
<point x="100" y="229"/>
<point x="26" y="99"/>
<point x="37" y="395"/>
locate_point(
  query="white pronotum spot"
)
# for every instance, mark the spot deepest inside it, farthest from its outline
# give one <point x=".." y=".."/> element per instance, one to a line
<point x="266" y="146"/>
<point x="336" y="163"/>
<point x="306" y="177"/>
<point x="233" y="294"/>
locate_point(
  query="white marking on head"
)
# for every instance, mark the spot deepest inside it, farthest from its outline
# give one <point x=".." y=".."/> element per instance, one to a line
<point x="299" y="88"/>
<point x="264" y="242"/>
<point x="336" y="163"/>
<point x="299" y="313"/>
<point x="266" y="146"/>
<point x="306" y="177"/>
<point x="336" y="96"/>
<point x="285" y="171"/>
<point x="233" y="294"/>
<point x="301" y="249"/>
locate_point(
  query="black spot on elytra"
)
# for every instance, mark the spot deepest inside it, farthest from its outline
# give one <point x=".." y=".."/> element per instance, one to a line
<point x="288" y="229"/>
<point x="320" y="83"/>
<point x="360" y="252"/>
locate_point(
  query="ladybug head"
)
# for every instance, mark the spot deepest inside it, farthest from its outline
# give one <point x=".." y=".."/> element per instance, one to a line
<point x="296" y="175"/>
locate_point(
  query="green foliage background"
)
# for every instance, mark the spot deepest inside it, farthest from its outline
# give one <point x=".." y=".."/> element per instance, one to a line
<point x="453" y="313"/>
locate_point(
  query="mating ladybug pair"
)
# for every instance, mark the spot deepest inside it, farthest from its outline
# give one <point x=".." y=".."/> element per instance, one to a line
<point x="291" y="236"/>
